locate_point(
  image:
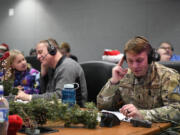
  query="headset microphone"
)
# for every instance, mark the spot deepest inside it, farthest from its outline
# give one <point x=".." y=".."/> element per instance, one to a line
<point x="45" y="56"/>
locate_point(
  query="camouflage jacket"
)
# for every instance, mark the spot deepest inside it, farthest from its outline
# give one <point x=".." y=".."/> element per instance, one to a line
<point x="157" y="95"/>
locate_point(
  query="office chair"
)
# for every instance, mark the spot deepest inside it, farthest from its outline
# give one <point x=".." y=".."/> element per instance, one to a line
<point x="35" y="63"/>
<point x="97" y="74"/>
<point x="171" y="64"/>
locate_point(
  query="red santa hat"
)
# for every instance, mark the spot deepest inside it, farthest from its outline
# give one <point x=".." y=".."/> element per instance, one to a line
<point x="4" y="47"/>
<point x="112" y="55"/>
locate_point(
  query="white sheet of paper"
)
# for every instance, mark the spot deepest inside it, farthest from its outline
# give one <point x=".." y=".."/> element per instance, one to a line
<point x="119" y="115"/>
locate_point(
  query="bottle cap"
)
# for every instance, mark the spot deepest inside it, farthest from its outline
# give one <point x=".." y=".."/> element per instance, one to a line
<point x="69" y="86"/>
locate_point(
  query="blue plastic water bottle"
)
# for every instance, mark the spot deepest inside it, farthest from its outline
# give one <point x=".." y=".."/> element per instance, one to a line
<point x="69" y="94"/>
<point x="4" y="111"/>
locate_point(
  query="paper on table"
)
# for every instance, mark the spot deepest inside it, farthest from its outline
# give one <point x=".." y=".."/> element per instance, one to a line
<point x="21" y="101"/>
<point x="119" y="115"/>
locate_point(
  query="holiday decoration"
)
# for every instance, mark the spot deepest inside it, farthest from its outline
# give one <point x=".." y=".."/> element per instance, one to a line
<point x="39" y="111"/>
<point x="112" y="55"/>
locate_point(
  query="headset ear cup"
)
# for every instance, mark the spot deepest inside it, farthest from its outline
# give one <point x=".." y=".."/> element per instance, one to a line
<point x="51" y="49"/>
<point x="150" y="59"/>
<point x="153" y="56"/>
<point x="124" y="56"/>
<point x="172" y="48"/>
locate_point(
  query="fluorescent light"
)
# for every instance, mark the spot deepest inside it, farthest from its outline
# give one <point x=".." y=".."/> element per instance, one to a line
<point x="11" y="12"/>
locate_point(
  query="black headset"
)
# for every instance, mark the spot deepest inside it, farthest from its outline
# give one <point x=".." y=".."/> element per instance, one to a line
<point x="152" y="54"/>
<point x="51" y="49"/>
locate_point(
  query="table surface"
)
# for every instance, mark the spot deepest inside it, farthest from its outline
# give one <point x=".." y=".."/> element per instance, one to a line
<point x="123" y="129"/>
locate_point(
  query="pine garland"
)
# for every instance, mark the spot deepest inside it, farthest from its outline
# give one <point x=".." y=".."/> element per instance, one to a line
<point x="5" y="73"/>
<point x="8" y="88"/>
<point x="39" y="111"/>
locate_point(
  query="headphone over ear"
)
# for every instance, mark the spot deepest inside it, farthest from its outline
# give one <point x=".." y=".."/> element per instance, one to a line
<point x="152" y="54"/>
<point x="51" y="49"/>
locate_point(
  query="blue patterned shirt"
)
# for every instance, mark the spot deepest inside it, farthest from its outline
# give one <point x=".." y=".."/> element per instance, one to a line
<point x="29" y="80"/>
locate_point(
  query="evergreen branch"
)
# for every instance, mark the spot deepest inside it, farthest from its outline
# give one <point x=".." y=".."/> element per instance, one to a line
<point x="41" y="111"/>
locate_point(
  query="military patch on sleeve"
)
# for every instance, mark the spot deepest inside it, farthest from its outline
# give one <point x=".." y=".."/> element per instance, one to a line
<point x="176" y="90"/>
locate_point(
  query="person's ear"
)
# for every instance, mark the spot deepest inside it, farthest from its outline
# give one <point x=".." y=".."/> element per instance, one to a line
<point x="12" y="66"/>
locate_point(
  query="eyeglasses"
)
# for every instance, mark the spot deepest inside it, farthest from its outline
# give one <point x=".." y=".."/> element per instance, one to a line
<point x="169" y="48"/>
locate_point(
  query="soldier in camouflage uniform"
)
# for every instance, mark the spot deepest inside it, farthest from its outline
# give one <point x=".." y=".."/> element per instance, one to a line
<point x="144" y="90"/>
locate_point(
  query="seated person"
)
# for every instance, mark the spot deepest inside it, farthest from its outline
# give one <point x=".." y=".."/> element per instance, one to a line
<point x="145" y="90"/>
<point x="57" y="70"/>
<point x="25" y="78"/>
<point x="166" y="52"/>
<point x="65" y="49"/>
